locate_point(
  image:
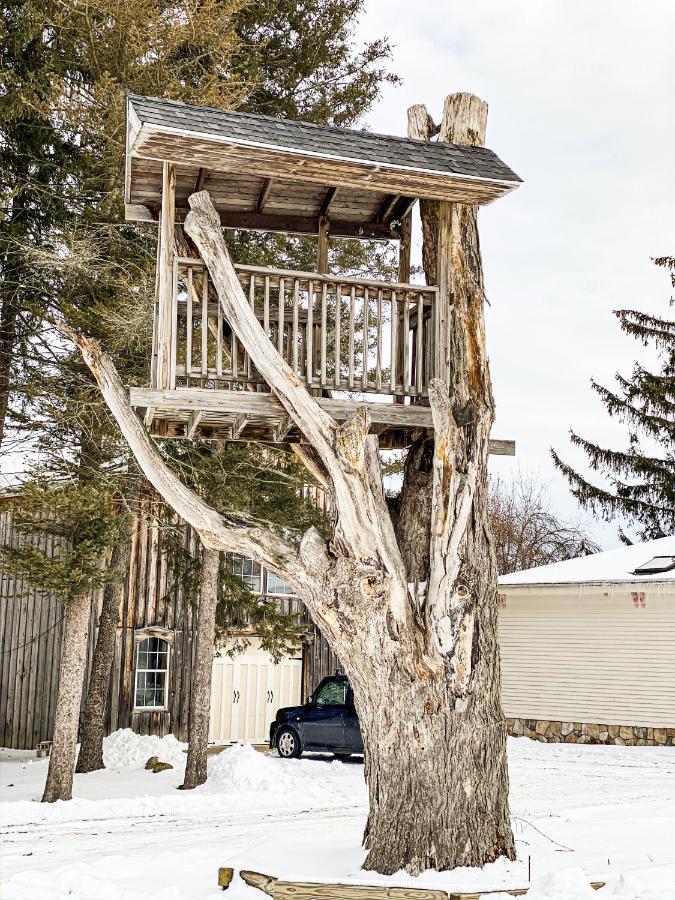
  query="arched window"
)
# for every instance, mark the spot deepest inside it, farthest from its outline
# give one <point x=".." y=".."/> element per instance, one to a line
<point x="152" y="673"/>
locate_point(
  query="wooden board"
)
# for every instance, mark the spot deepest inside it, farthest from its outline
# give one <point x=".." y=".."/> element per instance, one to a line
<point x="282" y="890"/>
<point x="220" y="409"/>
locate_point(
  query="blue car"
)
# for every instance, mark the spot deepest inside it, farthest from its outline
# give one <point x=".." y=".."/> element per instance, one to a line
<point x="326" y="723"/>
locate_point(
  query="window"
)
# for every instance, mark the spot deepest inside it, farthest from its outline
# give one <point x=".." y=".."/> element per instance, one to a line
<point x="276" y="585"/>
<point x="333" y="693"/>
<point x="258" y="579"/>
<point x="249" y="572"/>
<point x="656" y="565"/>
<point x="152" y="671"/>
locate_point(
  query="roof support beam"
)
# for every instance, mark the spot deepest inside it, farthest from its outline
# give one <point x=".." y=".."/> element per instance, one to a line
<point x="239" y="425"/>
<point x="201" y="180"/>
<point x="402" y="209"/>
<point x="327" y="200"/>
<point x="193" y="423"/>
<point x="387" y="207"/>
<point x="264" y="194"/>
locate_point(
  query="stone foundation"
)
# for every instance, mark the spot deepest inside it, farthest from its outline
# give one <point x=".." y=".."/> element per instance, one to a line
<point x="588" y="733"/>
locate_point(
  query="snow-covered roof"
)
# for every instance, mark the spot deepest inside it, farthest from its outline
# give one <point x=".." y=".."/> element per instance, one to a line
<point x="611" y="565"/>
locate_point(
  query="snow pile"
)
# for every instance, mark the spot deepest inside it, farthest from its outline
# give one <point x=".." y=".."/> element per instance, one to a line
<point x="124" y="749"/>
<point x="243" y="770"/>
<point x="568" y="884"/>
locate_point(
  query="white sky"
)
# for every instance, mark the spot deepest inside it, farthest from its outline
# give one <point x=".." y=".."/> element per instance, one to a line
<point x="581" y="107"/>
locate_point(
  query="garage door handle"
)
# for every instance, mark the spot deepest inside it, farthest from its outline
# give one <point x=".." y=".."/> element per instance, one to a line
<point x="235" y="696"/>
<point x="270" y="696"/>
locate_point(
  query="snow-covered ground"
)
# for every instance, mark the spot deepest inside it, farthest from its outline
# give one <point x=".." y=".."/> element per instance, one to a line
<point x="580" y="813"/>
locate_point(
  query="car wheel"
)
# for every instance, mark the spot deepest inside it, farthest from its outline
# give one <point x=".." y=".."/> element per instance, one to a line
<point x="342" y="756"/>
<point x="288" y="744"/>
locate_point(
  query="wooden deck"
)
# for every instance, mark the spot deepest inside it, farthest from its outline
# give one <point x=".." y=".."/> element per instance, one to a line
<point x="351" y="341"/>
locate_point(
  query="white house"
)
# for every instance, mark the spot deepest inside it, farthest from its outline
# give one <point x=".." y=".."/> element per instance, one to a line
<point x="588" y="647"/>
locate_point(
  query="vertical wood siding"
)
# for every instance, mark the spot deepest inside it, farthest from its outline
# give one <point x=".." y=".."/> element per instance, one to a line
<point x="31" y="633"/>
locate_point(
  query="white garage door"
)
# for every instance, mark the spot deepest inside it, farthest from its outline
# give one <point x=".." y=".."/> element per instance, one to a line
<point x="247" y="691"/>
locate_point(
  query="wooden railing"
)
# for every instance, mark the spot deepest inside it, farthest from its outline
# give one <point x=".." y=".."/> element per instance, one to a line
<point x="336" y="333"/>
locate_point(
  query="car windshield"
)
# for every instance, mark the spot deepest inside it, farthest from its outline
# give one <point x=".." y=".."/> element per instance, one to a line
<point x="332" y="693"/>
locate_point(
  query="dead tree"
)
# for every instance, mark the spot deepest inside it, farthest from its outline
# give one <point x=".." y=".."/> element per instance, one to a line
<point x="410" y="609"/>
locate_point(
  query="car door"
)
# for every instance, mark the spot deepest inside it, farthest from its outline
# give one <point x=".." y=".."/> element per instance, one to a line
<point x="353" y="739"/>
<point x="324" y="715"/>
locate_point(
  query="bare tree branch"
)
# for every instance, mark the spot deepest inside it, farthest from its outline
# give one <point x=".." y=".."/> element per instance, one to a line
<point x="231" y="535"/>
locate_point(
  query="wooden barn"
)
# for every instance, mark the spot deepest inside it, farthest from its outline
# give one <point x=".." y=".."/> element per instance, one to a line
<point x="157" y="622"/>
<point x="587" y="647"/>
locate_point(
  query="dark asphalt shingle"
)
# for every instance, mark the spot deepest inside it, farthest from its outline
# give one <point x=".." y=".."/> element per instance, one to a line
<point x="326" y="141"/>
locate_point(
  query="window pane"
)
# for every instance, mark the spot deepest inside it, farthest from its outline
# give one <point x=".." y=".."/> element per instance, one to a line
<point x="248" y="571"/>
<point x="276" y="585"/>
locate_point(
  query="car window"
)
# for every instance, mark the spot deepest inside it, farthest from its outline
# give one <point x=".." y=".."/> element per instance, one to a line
<point x="333" y="693"/>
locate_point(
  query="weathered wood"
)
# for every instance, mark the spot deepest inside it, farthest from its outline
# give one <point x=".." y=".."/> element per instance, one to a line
<point x="166" y="277"/>
<point x="326" y="202"/>
<point x="322" y="247"/>
<point x="193" y="423"/>
<point x="241" y="159"/>
<point x="263" y="195"/>
<point x="225" y="876"/>
<point x="279" y="889"/>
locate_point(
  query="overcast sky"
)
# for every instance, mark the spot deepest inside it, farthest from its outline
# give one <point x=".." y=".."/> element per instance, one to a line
<point x="581" y="99"/>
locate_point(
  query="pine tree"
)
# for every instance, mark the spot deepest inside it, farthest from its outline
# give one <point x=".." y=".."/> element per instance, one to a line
<point x="640" y="481"/>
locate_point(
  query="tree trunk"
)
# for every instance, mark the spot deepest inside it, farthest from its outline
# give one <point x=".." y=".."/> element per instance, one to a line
<point x="71" y="677"/>
<point x="200" y="693"/>
<point x="90" y="758"/>
<point x="410" y="610"/>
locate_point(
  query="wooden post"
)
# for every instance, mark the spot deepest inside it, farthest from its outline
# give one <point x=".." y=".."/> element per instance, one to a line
<point x="322" y="250"/>
<point x="404" y="249"/>
<point x="165" y="316"/>
<point x="440" y="363"/>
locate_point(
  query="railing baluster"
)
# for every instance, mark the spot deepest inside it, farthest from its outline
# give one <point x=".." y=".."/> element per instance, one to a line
<point x="296" y="301"/>
<point x="266" y="306"/>
<point x="324" y="330"/>
<point x="219" y="338"/>
<point x="378" y="348"/>
<point x="406" y="343"/>
<point x="392" y="344"/>
<point x="419" y="358"/>
<point x="173" y="350"/>
<point x="352" y="310"/>
<point x="364" y="373"/>
<point x="280" y="333"/>
<point x="205" y="326"/>
<point x="189" y="324"/>
<point x="251" y="300"/>
<point x="336" y="349"/>
<point x="309" y="337"/>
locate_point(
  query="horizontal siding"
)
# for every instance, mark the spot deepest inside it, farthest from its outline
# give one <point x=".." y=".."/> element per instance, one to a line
<point x="586" y="654"/>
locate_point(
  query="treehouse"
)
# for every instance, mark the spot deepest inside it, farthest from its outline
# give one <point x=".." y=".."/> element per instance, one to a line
<point x="352" y="341"/>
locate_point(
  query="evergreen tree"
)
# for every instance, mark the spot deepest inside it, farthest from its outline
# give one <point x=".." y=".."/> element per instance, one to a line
<point x="640" y="481"/>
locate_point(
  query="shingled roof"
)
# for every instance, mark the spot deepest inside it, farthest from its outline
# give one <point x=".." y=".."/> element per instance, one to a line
<point x="323" y="141"/>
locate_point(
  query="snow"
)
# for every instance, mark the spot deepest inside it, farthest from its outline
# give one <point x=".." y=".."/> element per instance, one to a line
<point x="124" y="749"/>
<point x="610" y="566"/>
<point x="580" y="813"/>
